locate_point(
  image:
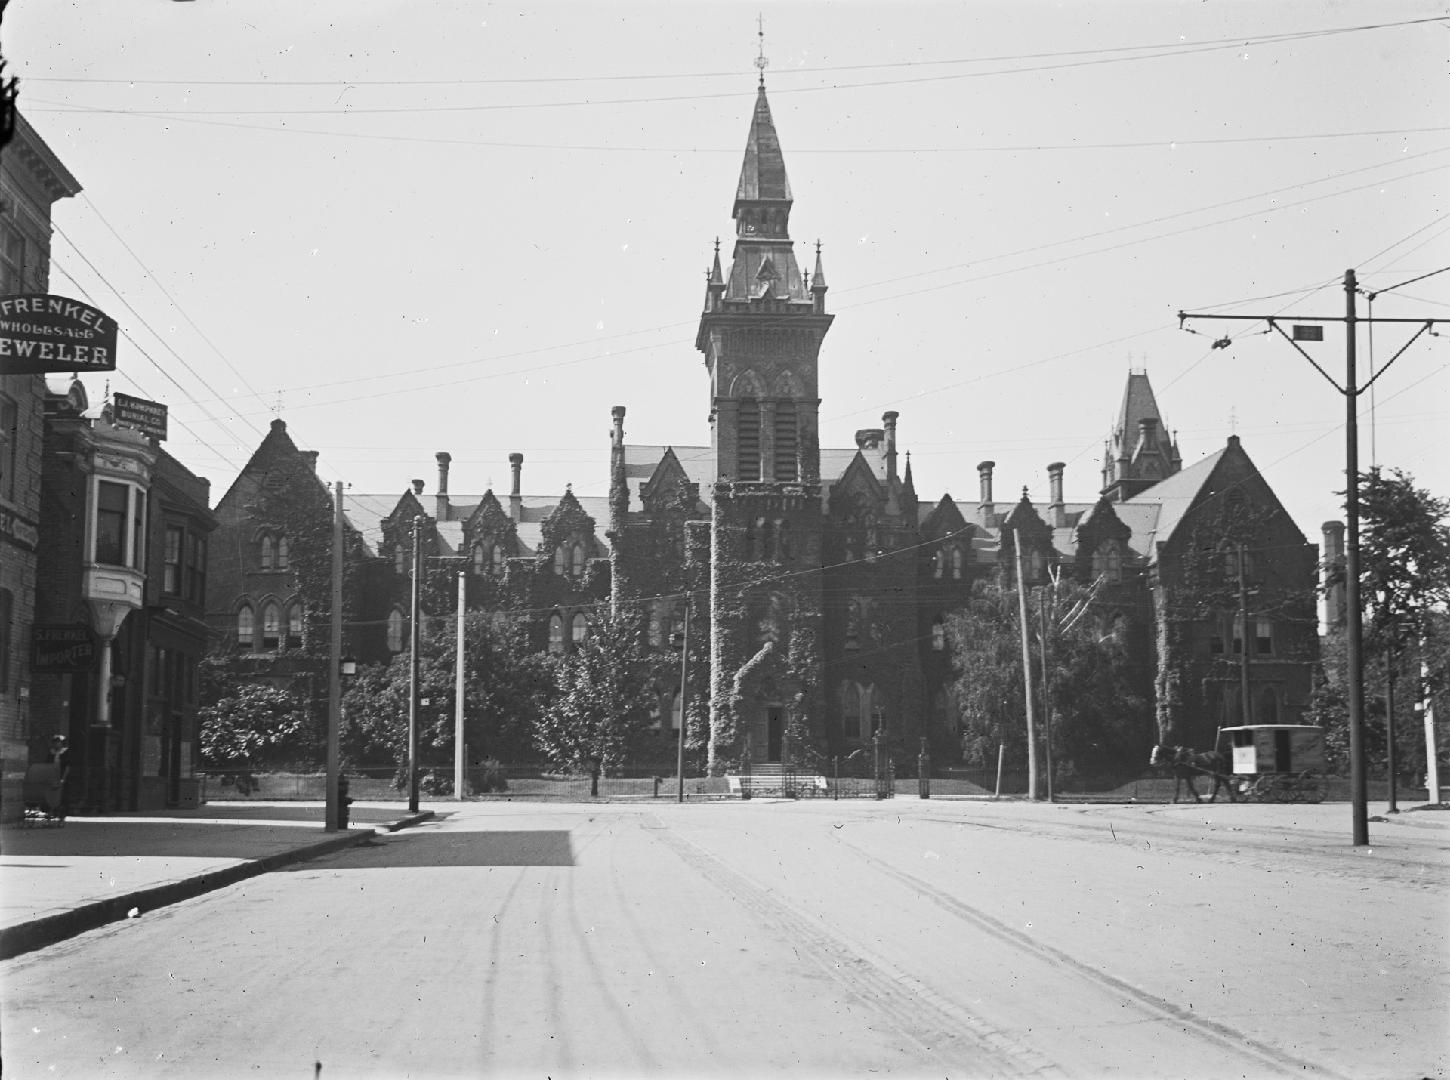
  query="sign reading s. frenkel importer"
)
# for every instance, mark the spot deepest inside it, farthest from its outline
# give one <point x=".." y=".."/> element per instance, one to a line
<point x="40" y="333"/>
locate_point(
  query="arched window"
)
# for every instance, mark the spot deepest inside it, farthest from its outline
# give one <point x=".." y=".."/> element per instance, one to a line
<point x="676" y="708"/>
<point x="498" y="556"/>
<point x="854" y="613"/>
<point x="938" y="635"/>
<point x="939" y="563"/>
<point x="556" y="634"/>
<point x="268" y="551"/>
<point x="281" y="553"/>
<point x="1108" y="561"/>
<point x="294" y="626"/>
<point x="479" y="558"/>
<point x="959" y="562"/>
<point x="271" y="625"/>
<point x="581" y="554"/>
<point x="1034" y="570"/>
<point x="395" y="630"/>
<point x="578" y="629"/>
<point x="561" y="560"/>
<point x="400" y="559"/>
<point x="246" y="627"/>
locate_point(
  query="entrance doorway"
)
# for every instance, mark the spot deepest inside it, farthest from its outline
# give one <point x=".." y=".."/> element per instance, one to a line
<point x="774" y="733"/>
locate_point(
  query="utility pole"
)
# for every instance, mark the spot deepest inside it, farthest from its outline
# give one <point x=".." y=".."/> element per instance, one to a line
<point x="1427" y="706"/>
<point x="332" y="817"/>
<point x="1046" y="700"/>
<point x="458" y="748"/>
<point x="1391" y="758"/>
<point x="1354" y="623"/>
<point x="1026" y="668"/>
<point x="413" y="638"/>
<point x="1246" y="710"/>
<point x="684" y="683"/>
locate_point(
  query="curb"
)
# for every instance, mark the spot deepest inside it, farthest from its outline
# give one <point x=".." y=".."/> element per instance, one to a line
<point x="51" y="929"/>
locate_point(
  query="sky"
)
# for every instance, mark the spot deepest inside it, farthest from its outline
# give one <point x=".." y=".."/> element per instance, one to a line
<point x="473" y="227"/>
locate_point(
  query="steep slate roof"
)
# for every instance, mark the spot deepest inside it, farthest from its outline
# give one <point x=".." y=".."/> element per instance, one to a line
<point x="762" y="174"/>
<point x="1154" y="514"/>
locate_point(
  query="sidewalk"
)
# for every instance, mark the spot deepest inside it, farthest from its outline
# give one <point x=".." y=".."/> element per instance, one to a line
<point x="56" y="882"/>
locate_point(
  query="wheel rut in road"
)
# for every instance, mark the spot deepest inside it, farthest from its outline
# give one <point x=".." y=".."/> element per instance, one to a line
<point x="1229" y="1039"/>
<point x="937" y="1026"/>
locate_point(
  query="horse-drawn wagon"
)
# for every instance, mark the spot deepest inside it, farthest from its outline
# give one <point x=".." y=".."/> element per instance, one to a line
<point x="1275" y="762"/>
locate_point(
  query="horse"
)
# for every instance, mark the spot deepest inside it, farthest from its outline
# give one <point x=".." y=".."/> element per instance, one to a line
<point x="1187" y="763"/>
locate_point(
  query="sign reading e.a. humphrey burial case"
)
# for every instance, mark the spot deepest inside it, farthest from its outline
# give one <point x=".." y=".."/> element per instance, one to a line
<point x="145" y="416"/>
<point x="40" y="333"/>
<point x="59" y="649"/>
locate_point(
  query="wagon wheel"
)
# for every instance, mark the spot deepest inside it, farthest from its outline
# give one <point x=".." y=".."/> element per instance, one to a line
<point x="1280" y="790"/>
<point x="1312" y="786"/>
<point x="1261" y="789"/>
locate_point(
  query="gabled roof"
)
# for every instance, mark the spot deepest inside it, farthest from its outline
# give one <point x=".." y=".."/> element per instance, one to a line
<point x="1173" y="498"/>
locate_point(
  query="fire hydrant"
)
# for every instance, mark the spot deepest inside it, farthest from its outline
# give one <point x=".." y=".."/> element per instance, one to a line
<point x="343" y="802"/>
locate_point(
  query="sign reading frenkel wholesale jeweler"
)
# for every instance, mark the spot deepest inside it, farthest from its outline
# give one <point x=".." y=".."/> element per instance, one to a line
<point x="40" y="333"/>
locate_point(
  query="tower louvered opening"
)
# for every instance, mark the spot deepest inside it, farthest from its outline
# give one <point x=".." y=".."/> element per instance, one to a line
<point x="786" y="441"/>
<point x="748" y="443"/>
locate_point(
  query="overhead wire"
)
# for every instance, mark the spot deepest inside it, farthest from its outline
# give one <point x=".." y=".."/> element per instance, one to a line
<point x="640" y="76"/>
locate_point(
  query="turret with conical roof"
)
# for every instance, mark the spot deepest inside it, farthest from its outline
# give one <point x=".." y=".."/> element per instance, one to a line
<point x="1139" y="452"/>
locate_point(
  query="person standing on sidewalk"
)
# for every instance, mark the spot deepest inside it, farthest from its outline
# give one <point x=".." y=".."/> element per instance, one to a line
<point x="59" y="756"/>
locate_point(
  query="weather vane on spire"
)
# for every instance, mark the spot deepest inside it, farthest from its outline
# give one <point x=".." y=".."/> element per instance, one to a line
<point x="760" y="61"/>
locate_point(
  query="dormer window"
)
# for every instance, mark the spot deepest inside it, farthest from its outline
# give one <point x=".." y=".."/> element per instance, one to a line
<point x="561" y="560"/>
<point x="499" y="558"/>
<point x="400" y="559"/>
<point x="556" y="634"/>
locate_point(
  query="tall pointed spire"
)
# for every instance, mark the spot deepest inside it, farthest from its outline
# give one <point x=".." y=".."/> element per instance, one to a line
<point x="762" y="176"/>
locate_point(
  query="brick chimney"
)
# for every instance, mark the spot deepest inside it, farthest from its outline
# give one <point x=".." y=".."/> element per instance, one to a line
<point x="444" y="457"/>
<point x="1055" y="505"/>
<point x="516" y="495"/>
<point x="888" y="421"/>
<point x="984" y="504"/>
<point x="1335" y="603"/>
<point x="417" y="487"/>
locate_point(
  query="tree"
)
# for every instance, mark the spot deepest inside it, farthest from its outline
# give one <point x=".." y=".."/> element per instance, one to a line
<point x="505" y="684"/>
<point x="256" y="726"/>
<point x="601" y="706"/>
<point x="1404" y="562"/>
<point x="1100" y="721"/>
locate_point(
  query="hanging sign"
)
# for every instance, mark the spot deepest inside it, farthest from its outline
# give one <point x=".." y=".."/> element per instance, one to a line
<point x="145" y="416"/>
<point x="1308" y="333"/>
<point x="41" y="333"/>
<point x="60" y="649"/>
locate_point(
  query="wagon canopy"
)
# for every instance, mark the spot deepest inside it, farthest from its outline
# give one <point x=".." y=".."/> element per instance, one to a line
<point x="1259" y="749"/>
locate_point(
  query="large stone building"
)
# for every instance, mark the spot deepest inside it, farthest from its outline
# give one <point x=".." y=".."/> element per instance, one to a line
<point x="820" y="584"/>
